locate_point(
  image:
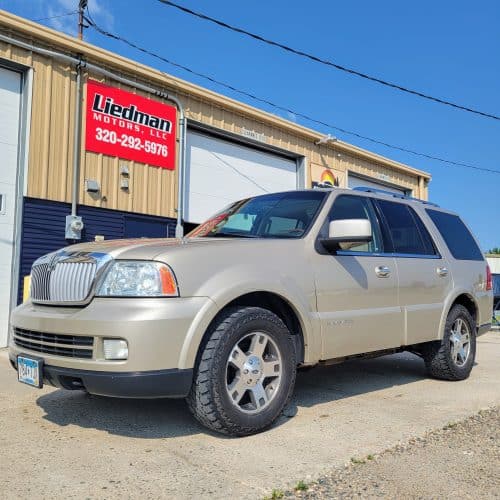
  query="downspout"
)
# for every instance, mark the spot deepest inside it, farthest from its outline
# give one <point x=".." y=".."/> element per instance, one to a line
<point x="179" y="230"/>
<point x="77" y="139"/>
<point x="181" y="176"/>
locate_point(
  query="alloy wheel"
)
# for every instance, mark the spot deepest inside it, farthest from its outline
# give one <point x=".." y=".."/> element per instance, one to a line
<point x="253" y="372"/>
<point x="460" y="342"/>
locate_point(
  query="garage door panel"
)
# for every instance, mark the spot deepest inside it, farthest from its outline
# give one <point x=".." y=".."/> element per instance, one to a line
<point x="5" y="273"/>
<point x="8" y="131"/>
<point x="203" y="174"/>
<point x="10" y="88"/>
<point x="235" y="171"/>
<point x="220" y="172"/>
<point x="228" y="151"/>
<point x="6" y="228"/>
<point x="202" y="199"/>
<point x="8" y="158"/>
<point x="354" y="181"/>
<point x="10" y="99"/>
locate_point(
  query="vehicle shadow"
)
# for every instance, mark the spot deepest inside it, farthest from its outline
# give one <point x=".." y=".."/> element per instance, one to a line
<point x="168" y="418"/>
<point x="346" y="380"/>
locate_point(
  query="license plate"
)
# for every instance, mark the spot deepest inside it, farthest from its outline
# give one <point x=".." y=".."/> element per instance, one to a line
<point x="29" y="371"/>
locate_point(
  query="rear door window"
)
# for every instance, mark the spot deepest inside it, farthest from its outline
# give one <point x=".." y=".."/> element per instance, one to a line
<point x="405" y="232"/>
<point x="457" y="237"/>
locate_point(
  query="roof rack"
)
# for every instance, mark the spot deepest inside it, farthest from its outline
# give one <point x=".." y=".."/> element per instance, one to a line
<point x="401" y="196"/>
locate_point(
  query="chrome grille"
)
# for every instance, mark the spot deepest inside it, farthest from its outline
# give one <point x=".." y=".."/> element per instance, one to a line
<point x="73" y="346"/>
<point x="71" y="281"/>
<point x="40" y="278"/>
<point x="65" y="277"/>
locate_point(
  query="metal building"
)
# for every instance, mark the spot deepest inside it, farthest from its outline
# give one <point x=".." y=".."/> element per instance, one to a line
<point x="89" y="135"/>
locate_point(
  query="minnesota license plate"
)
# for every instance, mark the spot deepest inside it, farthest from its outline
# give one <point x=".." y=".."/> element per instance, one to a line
<point x="29" y="371"/>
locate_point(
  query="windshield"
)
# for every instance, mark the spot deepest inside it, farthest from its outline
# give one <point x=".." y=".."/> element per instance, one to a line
<point x="279" y="215"/>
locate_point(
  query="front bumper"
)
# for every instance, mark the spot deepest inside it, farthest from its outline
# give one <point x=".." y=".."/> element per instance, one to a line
<point x="156" y="331"/>
<point x="151" y="384"/>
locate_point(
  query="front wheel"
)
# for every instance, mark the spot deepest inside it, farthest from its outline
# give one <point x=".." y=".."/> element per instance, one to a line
<point x="246" y="372"/>
<point x="453" y="357"/>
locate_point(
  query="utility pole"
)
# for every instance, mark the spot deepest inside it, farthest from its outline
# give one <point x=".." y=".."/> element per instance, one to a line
<point x="82" y="5"/>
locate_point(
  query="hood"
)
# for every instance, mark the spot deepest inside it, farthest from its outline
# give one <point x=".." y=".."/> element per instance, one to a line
<point x="147" y="248"/>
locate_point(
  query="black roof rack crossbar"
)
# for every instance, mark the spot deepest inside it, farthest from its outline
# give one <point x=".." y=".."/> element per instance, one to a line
<point x="402" y="196"/>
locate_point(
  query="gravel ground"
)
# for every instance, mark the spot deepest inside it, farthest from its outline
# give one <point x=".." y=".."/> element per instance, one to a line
<point x="461" y="460"/>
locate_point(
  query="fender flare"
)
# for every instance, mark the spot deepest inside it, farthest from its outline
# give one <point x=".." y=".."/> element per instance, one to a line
<point x="213" y="306"/>
<point x="449" y="304"/>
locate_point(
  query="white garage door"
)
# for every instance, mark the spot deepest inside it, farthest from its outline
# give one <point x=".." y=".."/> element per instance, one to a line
<point x="220" y="172"/>
<point x="10" y="100"/>
<point x="355" y="181"/>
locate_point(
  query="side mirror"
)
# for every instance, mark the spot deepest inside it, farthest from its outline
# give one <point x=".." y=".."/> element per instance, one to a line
<point x="347" y="233"/>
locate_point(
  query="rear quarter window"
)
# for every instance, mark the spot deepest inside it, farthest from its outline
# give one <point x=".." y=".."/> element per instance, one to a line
<point x="457" y="237"/>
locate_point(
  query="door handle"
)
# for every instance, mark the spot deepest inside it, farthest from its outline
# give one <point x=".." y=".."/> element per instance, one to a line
<point x="382" y="271"/>
<point x="442" y="271"/>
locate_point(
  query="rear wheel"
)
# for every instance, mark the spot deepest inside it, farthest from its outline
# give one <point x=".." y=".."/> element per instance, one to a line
<point x="453" y="357"/>
<point x="246" y="372"/>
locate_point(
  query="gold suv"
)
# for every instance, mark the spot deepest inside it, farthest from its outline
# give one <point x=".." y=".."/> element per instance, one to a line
<point x="225" y="316"/>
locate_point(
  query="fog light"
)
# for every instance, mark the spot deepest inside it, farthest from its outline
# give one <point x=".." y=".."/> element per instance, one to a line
<point x="115" y="349"/>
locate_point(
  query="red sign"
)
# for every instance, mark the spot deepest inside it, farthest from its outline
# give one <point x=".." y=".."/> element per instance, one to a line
<point x="129" y="126"/>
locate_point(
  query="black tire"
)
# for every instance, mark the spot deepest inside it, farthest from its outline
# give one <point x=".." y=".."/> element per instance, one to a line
<point x="208" y="399"/>
<point x="438" y="355"/>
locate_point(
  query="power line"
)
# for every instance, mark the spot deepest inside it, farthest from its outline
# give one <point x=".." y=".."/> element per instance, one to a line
<point x="55" y="17"/>
<point x="114" y="36"/>
<point x="327" y="62"/>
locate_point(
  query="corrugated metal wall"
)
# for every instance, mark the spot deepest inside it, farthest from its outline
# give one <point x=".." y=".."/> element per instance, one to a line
<point x="152" y="190"/>
<point x="43" y="228"/>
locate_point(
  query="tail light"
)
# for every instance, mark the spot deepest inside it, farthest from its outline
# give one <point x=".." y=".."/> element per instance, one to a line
<point x="489" y="279"/>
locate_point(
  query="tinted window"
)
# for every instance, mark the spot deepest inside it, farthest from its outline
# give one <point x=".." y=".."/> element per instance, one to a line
<point x="407" y="233"/>
<point x="283" y="225"/>
<point x="357" y="207"/>
<point x="430" y="248"/>
<point x="456" y="236"/>
<point x="280" y="215"/>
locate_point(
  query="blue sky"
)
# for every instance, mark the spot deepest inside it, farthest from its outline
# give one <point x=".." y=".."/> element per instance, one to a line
<point x="449" y="49"/>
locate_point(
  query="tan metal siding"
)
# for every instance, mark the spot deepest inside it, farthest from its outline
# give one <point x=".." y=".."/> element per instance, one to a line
<point x="153" y="190"/>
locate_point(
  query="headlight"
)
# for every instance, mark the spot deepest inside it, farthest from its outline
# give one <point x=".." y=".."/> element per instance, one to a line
<point x="135" y="278"/>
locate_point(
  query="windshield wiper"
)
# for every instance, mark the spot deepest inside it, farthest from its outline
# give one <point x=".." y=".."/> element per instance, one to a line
<point x="231" y="235"/>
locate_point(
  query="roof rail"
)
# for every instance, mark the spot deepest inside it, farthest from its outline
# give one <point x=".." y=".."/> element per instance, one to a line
<point x="401" y="196"/>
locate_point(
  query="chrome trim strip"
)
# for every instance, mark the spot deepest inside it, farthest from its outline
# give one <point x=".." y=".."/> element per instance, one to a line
<point x="396" y="255"/>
